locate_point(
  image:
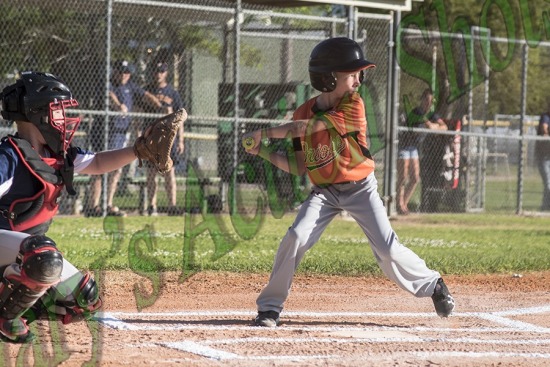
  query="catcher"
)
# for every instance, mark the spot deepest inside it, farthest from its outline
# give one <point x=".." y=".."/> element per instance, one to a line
<point x="35" y="165"/>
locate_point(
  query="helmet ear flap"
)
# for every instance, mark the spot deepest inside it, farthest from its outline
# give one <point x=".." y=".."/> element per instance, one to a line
<point x="323" y="82"/>
<point x="329" y="81"/>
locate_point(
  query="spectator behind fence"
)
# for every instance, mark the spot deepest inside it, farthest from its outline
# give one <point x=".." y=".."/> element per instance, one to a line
<point x="123" y="94"/>
<point x="408" y="163"/>
<point x="171" y="101"/>
<point x="542" y="152"/>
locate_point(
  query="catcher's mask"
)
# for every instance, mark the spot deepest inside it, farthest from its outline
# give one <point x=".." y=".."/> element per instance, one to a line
<point x="335" y="54"/>
<point x="42" y="99"/>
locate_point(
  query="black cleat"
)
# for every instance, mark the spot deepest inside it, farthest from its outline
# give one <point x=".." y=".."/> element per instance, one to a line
<point x="443" y="301"/>
<point x="267" y="319"/>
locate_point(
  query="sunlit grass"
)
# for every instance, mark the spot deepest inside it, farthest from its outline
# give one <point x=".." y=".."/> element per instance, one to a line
<point x="449" y="243"/>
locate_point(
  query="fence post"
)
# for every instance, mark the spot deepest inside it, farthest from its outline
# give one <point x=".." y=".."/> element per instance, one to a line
<point x="236" y="81"/>
<point x="522" y="148"/>
<point x="104" y="179"/>
<point x="392" y="111"/>
<point x="352" y="24"/>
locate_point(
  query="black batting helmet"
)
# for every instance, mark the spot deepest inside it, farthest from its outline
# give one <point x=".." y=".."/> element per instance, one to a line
<point x="42" y="99"/>
<point x="334" y="54"/>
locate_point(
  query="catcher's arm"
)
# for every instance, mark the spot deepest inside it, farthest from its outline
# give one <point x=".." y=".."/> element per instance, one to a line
<point x="109" y="160"/>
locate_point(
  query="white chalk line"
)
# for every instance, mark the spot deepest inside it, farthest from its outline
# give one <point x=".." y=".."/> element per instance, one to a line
<point x="203" y="348"/>
<point x="111" y="320"/>
<point x="115" y="323"/>
<point x="414" y="339"/>
<point x="520" y="325"/>
<point x="211" y="353"/>
<point x="451" y="354"/>
<point x="226" y="313"/>
<point x="200" y="349"/>
<point x="523" y="311"/>
<point x="123" y="325"/>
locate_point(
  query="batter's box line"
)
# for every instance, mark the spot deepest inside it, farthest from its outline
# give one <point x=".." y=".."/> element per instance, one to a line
<point x="211" y="353"/>
<point x="379" y="340"/>
<point x="498" y="317"/>
<point x="244" y="313"/>
<point x="220" y="355"/>
<point x="111" y="320"/>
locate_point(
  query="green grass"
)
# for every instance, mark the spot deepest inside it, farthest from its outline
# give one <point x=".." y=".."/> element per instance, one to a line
<point x="449" y="243"/>
<point x="501" y="194"/>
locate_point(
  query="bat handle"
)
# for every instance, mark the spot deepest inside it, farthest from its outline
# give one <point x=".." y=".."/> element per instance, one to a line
<point x="248" y="142"/>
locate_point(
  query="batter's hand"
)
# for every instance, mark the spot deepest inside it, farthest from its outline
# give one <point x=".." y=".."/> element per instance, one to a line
<point x="251" y="142"/>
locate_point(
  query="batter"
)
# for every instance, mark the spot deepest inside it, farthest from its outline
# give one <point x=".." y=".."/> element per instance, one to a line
<point x="330" y="142"/>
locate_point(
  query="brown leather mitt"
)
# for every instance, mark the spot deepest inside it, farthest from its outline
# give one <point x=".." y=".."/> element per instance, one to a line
<point x="155" y="144"/>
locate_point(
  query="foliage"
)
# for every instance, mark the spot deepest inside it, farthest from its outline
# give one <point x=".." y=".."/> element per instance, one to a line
<point x="28" y="29"/>
<point x="512" y="20"/>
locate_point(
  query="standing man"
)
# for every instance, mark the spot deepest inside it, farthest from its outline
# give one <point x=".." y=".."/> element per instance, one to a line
<point x="171" y="101"/>
<point x="329" y="135"/>
<point x="542" y="153"/>
<point x="123" y="94"/>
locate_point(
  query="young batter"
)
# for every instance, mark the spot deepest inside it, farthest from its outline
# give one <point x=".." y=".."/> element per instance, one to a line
<point x="330" y="139"/>
<point x="36" y="164"/>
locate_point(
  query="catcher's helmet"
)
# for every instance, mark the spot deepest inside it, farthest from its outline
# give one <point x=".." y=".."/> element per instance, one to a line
<point x="41" y="99"/>
<point x="334" y="54"/>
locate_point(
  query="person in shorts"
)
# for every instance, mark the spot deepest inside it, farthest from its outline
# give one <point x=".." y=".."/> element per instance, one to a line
<point x="408" y="162"/>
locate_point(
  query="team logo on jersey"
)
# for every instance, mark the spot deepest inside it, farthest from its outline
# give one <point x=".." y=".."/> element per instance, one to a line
<point x="323" y="154"/>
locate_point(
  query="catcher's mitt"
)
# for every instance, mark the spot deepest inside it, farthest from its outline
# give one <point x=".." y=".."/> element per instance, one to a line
<point x="156" y="142"/>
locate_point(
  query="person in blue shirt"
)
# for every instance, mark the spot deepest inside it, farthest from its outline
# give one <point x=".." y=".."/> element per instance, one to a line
<point x="171" y="101"/>
<point x="36" y="165"/>
<point x="124" y="94"/>
<point x="542" y="153"/>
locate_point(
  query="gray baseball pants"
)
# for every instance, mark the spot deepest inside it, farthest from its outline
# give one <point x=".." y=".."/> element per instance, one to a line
<point x="363" y="203"/>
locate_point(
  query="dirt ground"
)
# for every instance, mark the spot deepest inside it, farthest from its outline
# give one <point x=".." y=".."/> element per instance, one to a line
<point x="500" y="320"/>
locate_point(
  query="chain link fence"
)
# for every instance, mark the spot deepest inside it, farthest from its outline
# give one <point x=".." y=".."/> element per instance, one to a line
<point x="484" y="161"/>
<point x="242" y="67"/>
<point x="236" y="68"/>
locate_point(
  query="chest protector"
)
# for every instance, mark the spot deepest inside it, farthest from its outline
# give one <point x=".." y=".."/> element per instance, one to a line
<point x="34" y="214"/>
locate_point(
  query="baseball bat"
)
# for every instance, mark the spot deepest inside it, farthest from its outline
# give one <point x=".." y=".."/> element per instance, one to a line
<point x="248" y="142"/>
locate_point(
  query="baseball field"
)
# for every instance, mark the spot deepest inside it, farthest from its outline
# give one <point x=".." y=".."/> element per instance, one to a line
<point x="181" y="291"/>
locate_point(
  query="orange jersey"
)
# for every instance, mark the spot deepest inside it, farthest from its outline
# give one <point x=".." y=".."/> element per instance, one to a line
<point x="338" y="153"/>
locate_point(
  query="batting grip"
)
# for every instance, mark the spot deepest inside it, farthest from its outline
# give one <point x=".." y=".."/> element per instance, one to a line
<point x="248" y="142"/>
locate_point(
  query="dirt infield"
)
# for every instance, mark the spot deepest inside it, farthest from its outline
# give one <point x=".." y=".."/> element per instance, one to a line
<point x="501" y="320"/>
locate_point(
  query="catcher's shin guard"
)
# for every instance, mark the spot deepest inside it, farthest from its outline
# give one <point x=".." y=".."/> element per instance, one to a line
<point x="37" y="268"/>
<point x="80" y="302"/>
<point x="86" y="301"/>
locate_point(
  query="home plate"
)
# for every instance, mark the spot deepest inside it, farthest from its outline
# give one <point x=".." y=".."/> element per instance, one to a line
<point x="372" y="334"/>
